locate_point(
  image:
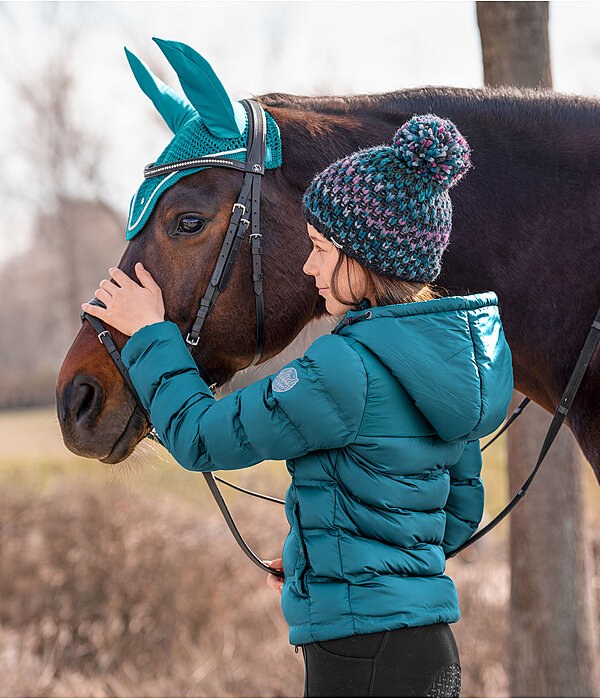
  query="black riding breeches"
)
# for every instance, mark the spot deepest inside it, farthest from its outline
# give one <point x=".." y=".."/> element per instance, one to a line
<point x="406" y="662"/>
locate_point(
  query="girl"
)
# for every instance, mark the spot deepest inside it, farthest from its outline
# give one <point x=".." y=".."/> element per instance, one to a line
<point x="379" y="421"/>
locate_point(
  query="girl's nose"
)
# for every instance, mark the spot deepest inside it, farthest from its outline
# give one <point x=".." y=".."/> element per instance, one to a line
<point x="309" y="266"/>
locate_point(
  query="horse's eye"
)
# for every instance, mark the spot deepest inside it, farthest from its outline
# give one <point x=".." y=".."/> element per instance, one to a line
<point x="189" y="224"/>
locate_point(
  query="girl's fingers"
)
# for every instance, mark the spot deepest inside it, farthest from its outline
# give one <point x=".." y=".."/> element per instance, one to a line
<point x="94" y="310"/>
<point x="145" y="277"/>
<point x="274" y="564"/>
<point x="103" y="295"/>
<point x="122" y="278"/>
<point x="275" y="582"/>
<point x="107" y="285"/>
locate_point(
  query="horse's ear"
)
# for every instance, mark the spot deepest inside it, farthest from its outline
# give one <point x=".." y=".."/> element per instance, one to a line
<point x="204" y="89"/>
<point x="173" y="108"/>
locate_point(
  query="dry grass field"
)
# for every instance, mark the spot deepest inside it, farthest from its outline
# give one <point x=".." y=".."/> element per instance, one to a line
<point x="124" y="581"/>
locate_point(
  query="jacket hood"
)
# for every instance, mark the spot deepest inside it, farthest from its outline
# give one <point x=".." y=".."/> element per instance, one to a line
<point x="449" y="354"/>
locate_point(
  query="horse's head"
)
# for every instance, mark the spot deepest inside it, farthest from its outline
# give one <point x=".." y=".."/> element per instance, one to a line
<point x="176" y="226"/>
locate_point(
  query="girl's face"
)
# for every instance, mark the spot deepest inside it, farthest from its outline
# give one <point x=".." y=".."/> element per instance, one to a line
<point x="320" y="264"/>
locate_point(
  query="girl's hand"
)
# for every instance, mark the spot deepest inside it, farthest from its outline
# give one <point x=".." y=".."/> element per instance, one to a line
<point x="272" y="580"/>
<point x="129" y="307"/>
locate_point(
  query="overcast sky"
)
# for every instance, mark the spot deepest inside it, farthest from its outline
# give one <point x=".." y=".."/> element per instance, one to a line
<point x="254" y="47"/>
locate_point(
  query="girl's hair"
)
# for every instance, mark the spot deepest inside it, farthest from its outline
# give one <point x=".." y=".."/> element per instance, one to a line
<point x="384" y="290"/>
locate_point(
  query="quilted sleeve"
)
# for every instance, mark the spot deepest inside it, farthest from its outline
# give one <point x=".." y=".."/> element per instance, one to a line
<point x="464" y="507"/>
<point x="315" y="402"/>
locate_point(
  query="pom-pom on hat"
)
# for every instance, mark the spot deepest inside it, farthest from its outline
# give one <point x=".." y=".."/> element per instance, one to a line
<point x="389" y="207"/>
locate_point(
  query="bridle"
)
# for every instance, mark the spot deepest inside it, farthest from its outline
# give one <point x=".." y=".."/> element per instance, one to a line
<point x="245" y="212"/>
<point x="249" y="200"/>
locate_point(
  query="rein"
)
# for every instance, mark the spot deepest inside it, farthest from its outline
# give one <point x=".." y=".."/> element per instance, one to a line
<point x="249" y="200"/>
<point x="560" y="414"/>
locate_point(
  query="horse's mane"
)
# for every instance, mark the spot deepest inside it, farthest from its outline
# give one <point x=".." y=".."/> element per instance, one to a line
<point x="502" y="106"/>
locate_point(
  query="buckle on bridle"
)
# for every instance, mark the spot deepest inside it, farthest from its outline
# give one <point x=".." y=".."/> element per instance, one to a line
<point x="105" y="331"/>
<point x="238" y="204"/>
<point x="192" y="342"/>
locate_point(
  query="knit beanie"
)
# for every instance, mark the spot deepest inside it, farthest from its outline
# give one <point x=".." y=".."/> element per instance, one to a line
<point x="388" y="207"/>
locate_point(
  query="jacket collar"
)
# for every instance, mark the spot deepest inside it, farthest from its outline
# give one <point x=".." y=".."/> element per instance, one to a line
<point x="450" y="303"/>
<point x="449" y="354"/>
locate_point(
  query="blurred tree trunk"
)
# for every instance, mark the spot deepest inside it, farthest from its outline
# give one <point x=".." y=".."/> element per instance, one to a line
<point x="515" y="43"/>
<point x="552" y="615"/>
<point x="552" y="608"/>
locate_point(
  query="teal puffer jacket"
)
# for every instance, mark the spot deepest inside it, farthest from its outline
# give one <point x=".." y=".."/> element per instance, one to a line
<point x="379" y="423"/>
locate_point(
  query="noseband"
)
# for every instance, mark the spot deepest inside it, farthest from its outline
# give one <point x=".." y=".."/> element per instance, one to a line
<point x="245" y="212"/>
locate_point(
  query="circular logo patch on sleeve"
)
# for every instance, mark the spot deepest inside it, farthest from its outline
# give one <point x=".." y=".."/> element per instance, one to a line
<point x="285" y="380"/>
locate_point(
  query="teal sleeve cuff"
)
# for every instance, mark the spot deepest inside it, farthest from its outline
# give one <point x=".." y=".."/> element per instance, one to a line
<point x="142" y="338"/>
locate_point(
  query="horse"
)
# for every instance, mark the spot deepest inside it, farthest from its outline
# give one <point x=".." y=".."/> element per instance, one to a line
<point x="525" y="220"/>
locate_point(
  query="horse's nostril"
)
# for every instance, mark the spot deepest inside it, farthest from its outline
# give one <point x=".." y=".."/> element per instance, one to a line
<point x="86" y="399"/>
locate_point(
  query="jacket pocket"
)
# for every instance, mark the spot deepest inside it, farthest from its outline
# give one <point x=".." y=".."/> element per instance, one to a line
<point x="302" y="561"/>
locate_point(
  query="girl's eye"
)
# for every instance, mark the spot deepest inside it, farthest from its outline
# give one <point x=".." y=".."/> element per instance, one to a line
<point x="190" y="224"/>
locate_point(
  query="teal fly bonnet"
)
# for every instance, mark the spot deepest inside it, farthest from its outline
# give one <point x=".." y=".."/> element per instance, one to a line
<point x="208" y="123"/>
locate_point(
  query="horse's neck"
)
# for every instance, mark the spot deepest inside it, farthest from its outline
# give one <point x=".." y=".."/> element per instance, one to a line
<point x="314" y="329"/>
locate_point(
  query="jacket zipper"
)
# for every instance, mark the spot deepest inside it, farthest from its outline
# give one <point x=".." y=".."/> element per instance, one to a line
<point x="352" y="319"/>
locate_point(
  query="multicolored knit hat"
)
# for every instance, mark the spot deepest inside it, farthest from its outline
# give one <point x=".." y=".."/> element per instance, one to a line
<point x="388" y="206"/>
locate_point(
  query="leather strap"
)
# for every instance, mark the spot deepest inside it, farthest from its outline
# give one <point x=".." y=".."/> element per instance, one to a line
<point x="106" y="339"/>
<point x="227" y="255"/>
<point x="248" y="202"/>
<point x="153" y="170"/>
<point x="254" y="169"/>
<point x="218" y="496"/>
<point x="258" y="158"/>
<point x="560" y="414"/>
<point x="562" y="409"/>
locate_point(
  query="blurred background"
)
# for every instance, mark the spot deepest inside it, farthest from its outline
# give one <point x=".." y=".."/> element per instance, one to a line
<point x="124" y="581"/>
